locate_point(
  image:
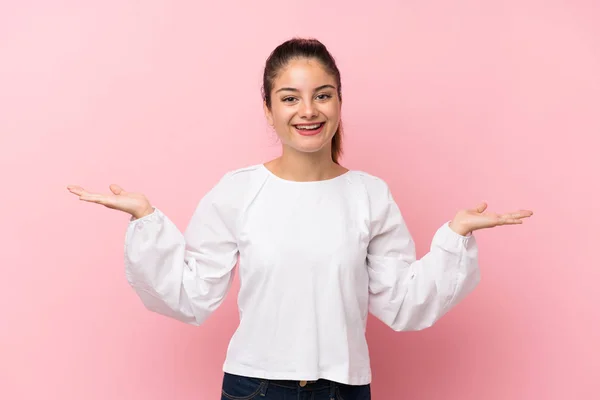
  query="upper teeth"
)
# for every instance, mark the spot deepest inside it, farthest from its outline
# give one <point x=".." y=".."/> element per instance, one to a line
<point x="308" y="126"/>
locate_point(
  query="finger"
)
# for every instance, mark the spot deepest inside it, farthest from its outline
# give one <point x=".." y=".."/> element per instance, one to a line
<point x="520" y="214"/>
<point x="78" y="190"/>
<point x="95" y="198"/>
<point x="510" y="219"/>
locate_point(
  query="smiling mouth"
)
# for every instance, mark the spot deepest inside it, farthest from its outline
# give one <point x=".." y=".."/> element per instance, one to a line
<point x="306" y="129"/>
<point x="309" y="130"/>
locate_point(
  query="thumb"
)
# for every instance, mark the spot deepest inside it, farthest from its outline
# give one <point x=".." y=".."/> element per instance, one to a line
<point x="116" y="189"/>
<point x="481" y="207"/>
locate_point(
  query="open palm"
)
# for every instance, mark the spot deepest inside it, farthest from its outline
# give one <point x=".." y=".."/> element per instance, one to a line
<point x="477" y="218"/>
<point x="135" y="204"/>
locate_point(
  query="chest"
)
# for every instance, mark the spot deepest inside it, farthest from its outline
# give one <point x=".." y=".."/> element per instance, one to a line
<point x="304" y="230"/>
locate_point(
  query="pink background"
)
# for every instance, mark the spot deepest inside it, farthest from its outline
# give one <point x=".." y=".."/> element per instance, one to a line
<point x="450" y="102"/>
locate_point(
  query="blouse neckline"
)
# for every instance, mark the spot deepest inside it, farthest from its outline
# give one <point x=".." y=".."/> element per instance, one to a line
<point x="317" y="182"/>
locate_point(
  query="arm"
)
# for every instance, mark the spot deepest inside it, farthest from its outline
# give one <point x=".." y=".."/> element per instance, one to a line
<point x="410" y="294"/>
<point x="184" y="276"/>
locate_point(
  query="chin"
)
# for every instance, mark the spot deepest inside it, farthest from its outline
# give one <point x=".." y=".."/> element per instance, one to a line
<point x="308" y="143"/>
<point x="304" y="148"/>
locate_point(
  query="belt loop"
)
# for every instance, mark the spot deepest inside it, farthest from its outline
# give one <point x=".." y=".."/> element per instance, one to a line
<point x="263" y="388"/>
<point x="332" y="390"/>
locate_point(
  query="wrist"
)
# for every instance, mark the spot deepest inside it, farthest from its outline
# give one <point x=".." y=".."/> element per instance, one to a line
<point x="459" y="228"/>
<point x="147" y="211"/>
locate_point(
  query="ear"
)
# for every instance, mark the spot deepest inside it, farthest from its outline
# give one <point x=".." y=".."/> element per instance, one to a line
<point x="268" y="114"/>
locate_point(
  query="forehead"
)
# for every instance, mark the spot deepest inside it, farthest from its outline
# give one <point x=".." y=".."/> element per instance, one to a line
<point x="303" y="73"/>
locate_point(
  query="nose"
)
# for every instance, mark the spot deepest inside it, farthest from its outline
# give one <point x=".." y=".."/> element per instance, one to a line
<point x="307" y="110"/>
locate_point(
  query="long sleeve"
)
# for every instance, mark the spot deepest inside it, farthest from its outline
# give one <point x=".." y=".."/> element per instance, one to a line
<point x="410" y="294"/>
<point x="184" y="276"/>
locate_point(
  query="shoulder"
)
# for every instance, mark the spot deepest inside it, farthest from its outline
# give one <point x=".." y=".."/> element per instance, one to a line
<point x="241" y="179"/>
<point x="246" y="172"/>
<point x="379" y="198"/>
<point x="227" y="196"/>
<point x="374" y="185"/>
<point x="235" y="186"/>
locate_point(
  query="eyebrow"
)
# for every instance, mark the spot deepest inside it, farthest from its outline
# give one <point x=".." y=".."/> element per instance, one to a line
<point x="296" y="90"/>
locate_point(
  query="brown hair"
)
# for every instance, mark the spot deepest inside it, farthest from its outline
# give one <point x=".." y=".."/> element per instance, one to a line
<point x="303" y="48"/>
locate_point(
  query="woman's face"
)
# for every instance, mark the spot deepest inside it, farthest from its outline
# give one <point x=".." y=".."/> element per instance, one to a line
<point x="305" y="107"/>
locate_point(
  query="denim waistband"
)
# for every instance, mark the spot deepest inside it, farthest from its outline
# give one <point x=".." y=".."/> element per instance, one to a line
<point x="305" y="385"/>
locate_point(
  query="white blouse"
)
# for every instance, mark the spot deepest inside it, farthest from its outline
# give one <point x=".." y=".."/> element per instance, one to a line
<point x="314" y="259"/>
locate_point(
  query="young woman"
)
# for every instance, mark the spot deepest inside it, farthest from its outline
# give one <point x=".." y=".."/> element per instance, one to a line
<point x="319" y="247"/>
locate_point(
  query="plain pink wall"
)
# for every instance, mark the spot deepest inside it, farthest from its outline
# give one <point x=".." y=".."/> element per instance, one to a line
<point x="450" y="102"/>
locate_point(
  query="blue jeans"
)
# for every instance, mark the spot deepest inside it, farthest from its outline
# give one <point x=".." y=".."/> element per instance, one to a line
<point x="245" y="388"/>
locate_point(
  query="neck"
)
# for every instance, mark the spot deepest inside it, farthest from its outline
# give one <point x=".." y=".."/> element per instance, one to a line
<point x="303" y="167"/>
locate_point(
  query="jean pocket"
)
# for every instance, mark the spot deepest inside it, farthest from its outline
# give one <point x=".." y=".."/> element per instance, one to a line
<point x="237" y="387"/>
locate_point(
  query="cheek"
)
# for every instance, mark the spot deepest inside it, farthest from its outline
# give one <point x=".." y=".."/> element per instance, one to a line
<point x="330" y="110"/>
<point x="282" y="117"/>
<point x="335" y="110"/>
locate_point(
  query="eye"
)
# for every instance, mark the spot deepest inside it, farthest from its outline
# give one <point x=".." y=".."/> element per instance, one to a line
<point x="288" y="99"/>
<point x="324" y="96"/>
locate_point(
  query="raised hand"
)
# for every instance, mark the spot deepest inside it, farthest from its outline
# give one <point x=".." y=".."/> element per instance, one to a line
<point x="467" y="221"/>
<point x="135" y="204"/>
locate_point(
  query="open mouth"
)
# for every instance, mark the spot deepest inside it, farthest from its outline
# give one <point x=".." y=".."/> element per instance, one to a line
<point x="309" y="130"/>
